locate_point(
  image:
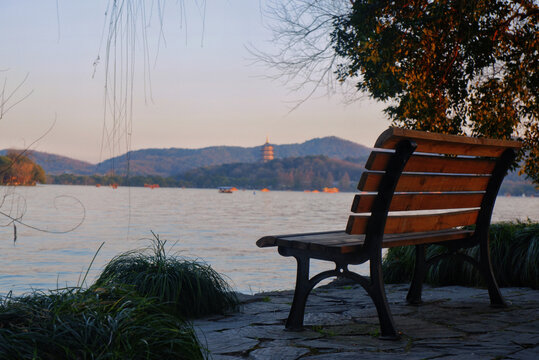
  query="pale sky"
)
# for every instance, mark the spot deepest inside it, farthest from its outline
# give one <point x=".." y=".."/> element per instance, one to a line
<point x="206" y="91"/>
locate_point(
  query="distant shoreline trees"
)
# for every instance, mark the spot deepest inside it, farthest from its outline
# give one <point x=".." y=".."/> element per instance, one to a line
<point x="18" y="169"/>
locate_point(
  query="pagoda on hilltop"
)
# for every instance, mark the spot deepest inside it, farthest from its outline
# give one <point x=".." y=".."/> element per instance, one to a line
<point x="267" y="151"/>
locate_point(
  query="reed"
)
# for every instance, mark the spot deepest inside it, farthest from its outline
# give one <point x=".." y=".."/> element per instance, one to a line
<point x="514" y="248"/>
<point x="185" y="287"/>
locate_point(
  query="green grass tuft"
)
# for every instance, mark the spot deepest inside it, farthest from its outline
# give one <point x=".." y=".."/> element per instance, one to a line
<point x="92" y="324"/>
<point x="514" y="249"/>
<point x="185" y="287"/>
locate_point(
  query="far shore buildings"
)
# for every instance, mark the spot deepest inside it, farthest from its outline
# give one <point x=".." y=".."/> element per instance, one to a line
<point x="267" y="151"/>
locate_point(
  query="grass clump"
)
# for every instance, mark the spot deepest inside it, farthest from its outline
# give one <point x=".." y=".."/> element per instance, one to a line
<point x="514" y="249"/>
<point x="186" y="288"/>
<point x="92" y="324"/>
<point x="135" y="310"/>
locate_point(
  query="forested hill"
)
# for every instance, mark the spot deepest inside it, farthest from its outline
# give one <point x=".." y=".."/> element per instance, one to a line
<point x="293" y="173"/>
<point x="57" y="164"/>
<point x="167" y="162"/>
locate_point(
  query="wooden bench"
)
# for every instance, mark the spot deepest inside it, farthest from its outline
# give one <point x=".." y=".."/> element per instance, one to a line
<point x="420" y="188"/>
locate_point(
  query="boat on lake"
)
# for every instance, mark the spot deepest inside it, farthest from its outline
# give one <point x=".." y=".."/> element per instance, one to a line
<point x="225" y="190"/>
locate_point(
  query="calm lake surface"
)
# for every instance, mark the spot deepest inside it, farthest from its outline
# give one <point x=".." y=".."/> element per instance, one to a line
<point x="220" y="229"/>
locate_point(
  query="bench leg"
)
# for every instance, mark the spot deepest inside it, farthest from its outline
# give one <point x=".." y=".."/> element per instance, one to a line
<point x="378" y="296"/>
<point x="420" y="269"/>
<point x="496" y="298"/>
<point x="297" y="311"/>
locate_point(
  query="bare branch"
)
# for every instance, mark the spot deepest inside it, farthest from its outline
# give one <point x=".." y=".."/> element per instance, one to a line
<point x="305" y="58"/>
<point x="8" y="99"/>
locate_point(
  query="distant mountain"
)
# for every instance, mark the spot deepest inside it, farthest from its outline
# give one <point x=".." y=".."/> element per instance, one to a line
<point x="168" y="162"/>
<point x="173" y="161"/>
<point x="56" y="164"/>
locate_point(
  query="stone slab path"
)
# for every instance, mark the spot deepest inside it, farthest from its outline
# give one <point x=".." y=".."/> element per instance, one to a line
<point x="341" y="323"/>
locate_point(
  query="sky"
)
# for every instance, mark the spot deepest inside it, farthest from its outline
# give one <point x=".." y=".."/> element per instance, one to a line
<point x="203" y="89"/>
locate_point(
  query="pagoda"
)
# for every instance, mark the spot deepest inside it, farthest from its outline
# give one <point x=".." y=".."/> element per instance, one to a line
<point x="267" y="151"/>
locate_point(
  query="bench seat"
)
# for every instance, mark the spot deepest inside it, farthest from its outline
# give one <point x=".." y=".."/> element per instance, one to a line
<point x="339" y="242"/>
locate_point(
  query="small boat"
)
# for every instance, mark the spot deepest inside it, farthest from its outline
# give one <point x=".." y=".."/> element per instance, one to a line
<point x="330" y="190"/>
<point x="225" y="190"/>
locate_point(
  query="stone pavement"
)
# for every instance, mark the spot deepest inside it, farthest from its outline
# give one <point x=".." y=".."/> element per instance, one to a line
<point x="341" y="323"/>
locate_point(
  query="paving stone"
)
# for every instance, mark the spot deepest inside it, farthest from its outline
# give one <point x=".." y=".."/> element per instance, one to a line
<point x="529" y="314"/>
<point x="507" y="317"/>
<point x="272" y="318"/>
<point x="364" y="355"/>
<point x="278" y="353"/>
<point x="333" y="308"/>
<point x="525" y="340"/>
<point x="521" y="295"/>
<point x="225" y="357"/>
<point x="420" y="329"/>
<point x="312" y="319"/>
<point x="262" y="306"/>
<point x="330" y="344"/>
<point x="476" y="327"/>
<point x="464" y="356"/>
<point x="478" y="347"/>
<point x="361" y="312"/>
<point x="529" y="327"/>
<point x="246" y="298"/>
<point x="471" y="306"/>
<point x="275" y="343"/>
<point x="499" y="337"/>
<point x="321" y="301"/>
<point x="325" y="344"/>
<point x="526" y="354"/>
<point x="275" y="332"/>
<point x="351" y="329"/>
<point x="283" y="298"/>
<point x="434" y="314"/>
<point x="228" y="342"/>
<point x="403" y="309"/>
<point x="208" y="326"/>
<point x="350" y="295"/>
<point x="341" y="356"/>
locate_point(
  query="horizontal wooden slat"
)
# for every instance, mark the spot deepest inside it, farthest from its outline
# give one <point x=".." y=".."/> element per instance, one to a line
<point x="427" y="201"/>
<point x="426" y="182"/>
<point x="357" y="224"/>
<point x="339" y="242"/>
<point x="445" y="144"/>
<point x="434" y="164"/>
<point x="392" y="240"/>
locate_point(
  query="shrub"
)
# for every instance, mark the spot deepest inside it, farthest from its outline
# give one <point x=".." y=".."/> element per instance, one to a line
<point x="514" y="249"/>
<point x="185" y="287"/>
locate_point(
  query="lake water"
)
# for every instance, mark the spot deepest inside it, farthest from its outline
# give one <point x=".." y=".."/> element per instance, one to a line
<point x="220" y="229"/>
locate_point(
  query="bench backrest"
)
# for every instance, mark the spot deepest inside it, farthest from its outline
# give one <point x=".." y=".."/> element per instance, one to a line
<point x="458" y="176"/>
